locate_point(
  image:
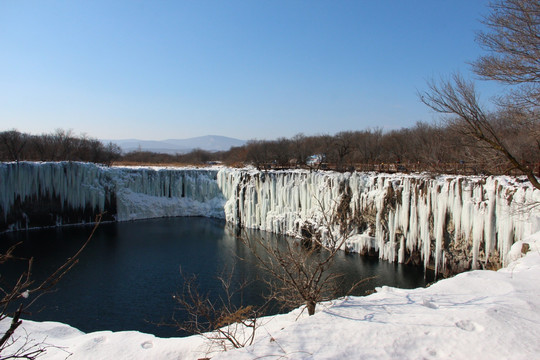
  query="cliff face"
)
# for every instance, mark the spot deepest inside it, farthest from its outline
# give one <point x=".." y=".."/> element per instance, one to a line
<point x="446" y="223"/>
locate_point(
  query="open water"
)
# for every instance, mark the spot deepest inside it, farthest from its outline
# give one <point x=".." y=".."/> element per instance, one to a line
<point x="127" y="276"/>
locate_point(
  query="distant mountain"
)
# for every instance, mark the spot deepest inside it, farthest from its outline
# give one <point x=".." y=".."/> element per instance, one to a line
<point x="181" y="146"/>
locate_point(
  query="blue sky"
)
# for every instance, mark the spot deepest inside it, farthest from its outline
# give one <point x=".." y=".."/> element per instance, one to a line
<point x="245" y="69"/>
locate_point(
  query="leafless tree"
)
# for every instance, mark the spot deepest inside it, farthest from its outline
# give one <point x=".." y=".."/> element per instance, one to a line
<point x="396" y="144"/>
<point x="14" y="144"/>
<point x="513" y="45"/>
<point x="113" y="152"/>
<point x="60" y="146"/>
<point x="280" y="152"/>
<point x="299" y="149"/>
<point x="344" y="146"/>
<point x="236" y="156"/>
<point x="224" y="322"/>
<point x="458" y="97"/>
<point x="299" y="272"/>
<point x="23" y="294"/>
<point x="369" y="145"/>
<point x="257" y="153"/>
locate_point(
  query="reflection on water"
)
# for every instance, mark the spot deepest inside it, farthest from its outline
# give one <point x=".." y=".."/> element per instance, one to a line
<point x="127" y="275"/>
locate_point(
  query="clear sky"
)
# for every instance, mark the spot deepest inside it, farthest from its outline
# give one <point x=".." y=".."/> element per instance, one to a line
<point x="245" y="69"/>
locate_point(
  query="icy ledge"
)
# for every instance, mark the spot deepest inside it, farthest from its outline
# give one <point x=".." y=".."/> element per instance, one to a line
<point x="475" y="315"/>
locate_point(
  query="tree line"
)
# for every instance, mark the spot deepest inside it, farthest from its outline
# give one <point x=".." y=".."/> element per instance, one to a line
<point x="440" y="148"/>
<point x="59" y="146"/>
<point x="424" y="147"/>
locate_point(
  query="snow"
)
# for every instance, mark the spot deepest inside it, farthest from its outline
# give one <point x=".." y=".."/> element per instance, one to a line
<point x="475" y="315"/>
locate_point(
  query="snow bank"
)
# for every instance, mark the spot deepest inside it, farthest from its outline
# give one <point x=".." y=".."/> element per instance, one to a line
<point x="475" y="315"/>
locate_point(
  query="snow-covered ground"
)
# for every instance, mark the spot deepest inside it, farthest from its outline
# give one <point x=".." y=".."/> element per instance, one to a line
<point x="474" y="315"/>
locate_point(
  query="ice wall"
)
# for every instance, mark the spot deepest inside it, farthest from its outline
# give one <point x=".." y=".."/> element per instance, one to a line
<point x="48" y="194"/>
<point x="447" y="223"/>
<point x="146" y="193"/>
<point x="34" y="194"/>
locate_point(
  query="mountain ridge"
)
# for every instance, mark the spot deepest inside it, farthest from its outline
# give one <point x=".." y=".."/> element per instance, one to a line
<point x="179" y="146"/>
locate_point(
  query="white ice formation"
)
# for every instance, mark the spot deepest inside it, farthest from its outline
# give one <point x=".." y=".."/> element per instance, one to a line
<point x="450" y="223"/>
<point x="146" y="193"/>
<point x="445" y="221"/>
<point x="56" y="190"/>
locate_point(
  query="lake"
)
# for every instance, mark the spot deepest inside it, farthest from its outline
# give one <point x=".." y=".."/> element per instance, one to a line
<point x="128" y="274"/>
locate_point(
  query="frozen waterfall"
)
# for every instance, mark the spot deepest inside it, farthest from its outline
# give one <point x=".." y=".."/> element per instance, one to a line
<point x="45" y="194"/>
<point x="448" y="223"/>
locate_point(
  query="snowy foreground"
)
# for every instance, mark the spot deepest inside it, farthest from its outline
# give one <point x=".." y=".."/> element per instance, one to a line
<point x="474" y="315"/>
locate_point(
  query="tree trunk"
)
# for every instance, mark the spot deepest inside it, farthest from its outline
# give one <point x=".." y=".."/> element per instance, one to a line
<point x="311" y="307"/>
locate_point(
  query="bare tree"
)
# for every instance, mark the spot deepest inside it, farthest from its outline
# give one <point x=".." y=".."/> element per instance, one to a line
<point x="299" y="149"/>
<point x="396" y="144"/>
<point x="224" y="322"/>
<point x="13" y="143"/>
<point x="458" y="97"/>
<point x="25" y="292"/>
<point x="343" y="146"/>
<point x="369" y="144"/>
<point x="513" y="45"/>
<point x="300" y="272"/>
<point x="257" y="153"/>
<point x="113" y="152"/>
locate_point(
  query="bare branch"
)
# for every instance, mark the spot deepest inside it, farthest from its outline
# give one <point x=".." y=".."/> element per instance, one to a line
<point x="24" y="288"/>
<point x="224" y="323"/>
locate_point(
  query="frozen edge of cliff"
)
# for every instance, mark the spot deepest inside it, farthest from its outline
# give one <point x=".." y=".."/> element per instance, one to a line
<point x="475" y="315"/>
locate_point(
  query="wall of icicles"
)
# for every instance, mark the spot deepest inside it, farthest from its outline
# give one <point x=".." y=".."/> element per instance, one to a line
<point x="447" y="223"/>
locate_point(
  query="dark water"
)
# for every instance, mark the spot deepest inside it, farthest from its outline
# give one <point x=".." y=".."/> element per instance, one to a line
<point x="127" y="275"/>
